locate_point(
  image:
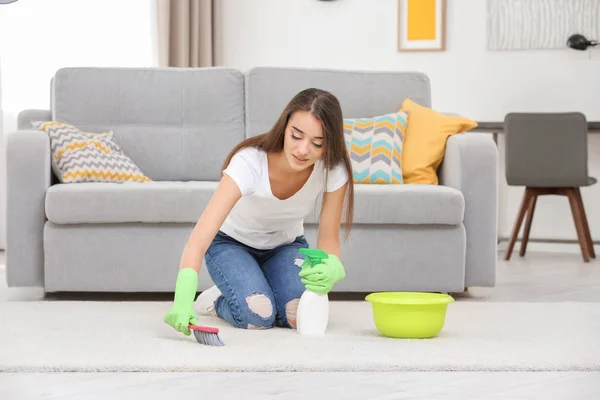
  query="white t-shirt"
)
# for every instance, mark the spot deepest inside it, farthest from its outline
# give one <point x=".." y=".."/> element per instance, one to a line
<point x="261" y="220"/>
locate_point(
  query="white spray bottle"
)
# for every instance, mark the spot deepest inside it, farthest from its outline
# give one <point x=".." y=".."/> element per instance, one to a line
<point x="312" y="315"/>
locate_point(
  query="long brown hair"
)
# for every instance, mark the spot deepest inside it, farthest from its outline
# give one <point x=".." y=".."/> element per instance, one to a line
<point x="326" y="108"/>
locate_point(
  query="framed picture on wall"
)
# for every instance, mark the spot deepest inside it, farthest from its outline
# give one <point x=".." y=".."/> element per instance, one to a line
<point x="421" y="25"/>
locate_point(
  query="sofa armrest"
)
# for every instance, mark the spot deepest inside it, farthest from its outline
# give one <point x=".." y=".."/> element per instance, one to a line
<point x="471" y="165"/>
<point x="28" y="176"/>
<point x="26" y="117"/>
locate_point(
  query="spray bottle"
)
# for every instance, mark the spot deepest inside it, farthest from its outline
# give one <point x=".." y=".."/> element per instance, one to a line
<point x="313" y="309"/>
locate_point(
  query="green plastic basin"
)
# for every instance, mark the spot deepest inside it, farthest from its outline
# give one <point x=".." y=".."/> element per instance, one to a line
<point x="409" y="315"/>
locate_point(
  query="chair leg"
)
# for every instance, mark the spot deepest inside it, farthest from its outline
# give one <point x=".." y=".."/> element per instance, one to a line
<point x="577" y="218"/>
<point x="586" y="226"/>
<point x="531" y="209"/>
<point x="518" y="222"/>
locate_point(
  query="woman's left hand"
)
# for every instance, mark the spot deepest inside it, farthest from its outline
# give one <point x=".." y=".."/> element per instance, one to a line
<point x="323" y="276"/>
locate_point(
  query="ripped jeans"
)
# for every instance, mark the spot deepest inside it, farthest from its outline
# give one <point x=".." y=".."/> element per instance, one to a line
<point x="260" y="288"/>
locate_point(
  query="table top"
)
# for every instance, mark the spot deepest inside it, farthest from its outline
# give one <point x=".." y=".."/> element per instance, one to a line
<point x="498" y="127"/>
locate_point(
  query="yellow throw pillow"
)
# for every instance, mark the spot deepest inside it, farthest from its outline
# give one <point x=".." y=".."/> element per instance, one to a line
<point x="425" y="141"/>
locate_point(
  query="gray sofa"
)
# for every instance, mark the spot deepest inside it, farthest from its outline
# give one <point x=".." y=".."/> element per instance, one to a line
<point x="178" y="125"/>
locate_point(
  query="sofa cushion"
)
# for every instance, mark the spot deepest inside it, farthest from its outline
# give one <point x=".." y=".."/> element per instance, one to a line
<point x="184" y="202"/>
<point x="361" y="93"/>
<point x="375" y="147"/>
<point x="408" y="204"/>
<point x="176" y="124"/>
<point x="128" y="202"/>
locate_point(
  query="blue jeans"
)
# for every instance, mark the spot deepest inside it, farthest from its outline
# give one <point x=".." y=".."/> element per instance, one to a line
<point x="260" y="288"/>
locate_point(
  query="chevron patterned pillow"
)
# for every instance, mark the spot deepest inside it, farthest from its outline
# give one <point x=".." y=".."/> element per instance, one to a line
<point x="79" y="156"/>
<point x="375" y="147"/>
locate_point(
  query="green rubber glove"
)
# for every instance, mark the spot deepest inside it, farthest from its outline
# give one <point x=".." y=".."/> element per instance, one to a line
<point x="182" y="313"/>
<point x="321" y="277"/>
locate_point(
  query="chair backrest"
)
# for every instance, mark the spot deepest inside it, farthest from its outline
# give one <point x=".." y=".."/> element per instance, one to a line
<point x="546" y="149"/>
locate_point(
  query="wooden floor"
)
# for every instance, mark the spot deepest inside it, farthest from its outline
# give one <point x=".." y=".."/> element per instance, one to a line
<point x="538" y="277"/>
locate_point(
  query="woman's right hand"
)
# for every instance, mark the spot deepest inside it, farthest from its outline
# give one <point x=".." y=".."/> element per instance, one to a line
<point x="180" y="316"/>
<point x="181" y="313"/>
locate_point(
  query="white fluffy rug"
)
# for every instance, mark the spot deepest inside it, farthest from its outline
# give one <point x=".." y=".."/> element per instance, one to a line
<point x="130" y="336"/>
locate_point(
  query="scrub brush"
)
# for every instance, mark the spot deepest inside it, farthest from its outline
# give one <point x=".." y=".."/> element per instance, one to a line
<point x="206" y="335"/>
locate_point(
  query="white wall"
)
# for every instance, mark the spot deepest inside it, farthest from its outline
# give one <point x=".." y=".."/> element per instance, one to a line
<point x="466" y="78"/>
<point x="37" y="37"/>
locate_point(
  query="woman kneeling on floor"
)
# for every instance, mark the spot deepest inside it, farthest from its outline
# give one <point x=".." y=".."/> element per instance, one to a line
<point x="253" y="227"/>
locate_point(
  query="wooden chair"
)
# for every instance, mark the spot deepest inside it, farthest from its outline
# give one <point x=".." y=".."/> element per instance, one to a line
<point x="547" y="153"/>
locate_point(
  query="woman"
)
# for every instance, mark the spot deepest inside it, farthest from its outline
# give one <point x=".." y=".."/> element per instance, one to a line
<point x="252" y="229"/>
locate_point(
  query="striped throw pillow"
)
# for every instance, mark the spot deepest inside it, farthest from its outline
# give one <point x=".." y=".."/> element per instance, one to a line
<point x="375" y="147"/>
<point x="79" y="156"/>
